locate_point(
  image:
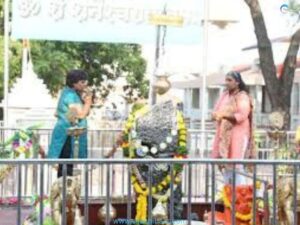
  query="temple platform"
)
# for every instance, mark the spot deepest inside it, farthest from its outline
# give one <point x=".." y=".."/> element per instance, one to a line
<point x="8" y="215"/>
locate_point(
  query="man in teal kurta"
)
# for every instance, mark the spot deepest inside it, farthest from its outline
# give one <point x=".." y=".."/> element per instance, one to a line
<point x="62" y="145"/>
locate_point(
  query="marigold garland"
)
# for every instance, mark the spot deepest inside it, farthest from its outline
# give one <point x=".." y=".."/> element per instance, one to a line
<point x="139" y="185"/>
<point x="227" y="203"/>
<point x="23" y="143"/>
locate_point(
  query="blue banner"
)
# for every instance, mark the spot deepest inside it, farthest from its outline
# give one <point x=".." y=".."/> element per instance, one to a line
<point x="113" y="21"/>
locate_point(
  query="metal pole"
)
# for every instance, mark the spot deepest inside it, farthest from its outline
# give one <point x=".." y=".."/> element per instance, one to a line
<point x="189" y="206"/>
<point x="204" y="72"/>
<point x="213" y="189"/>
<point x="172" y="195"/>
<point x="254" y="195"/>
<point x="107" y="200"/>
<point x="295" y="185"/>
<point x="86" y="195"/>
<point x="158" y="55"/>
<point x="19" y="219"/>
<point x="6" y="60"/>
<point x="64" y="194"/>
<point x="129" y="201"/>
<point x="152" y="94"/>
<point x="274" y="219"/>
<point x="41" y="193"/>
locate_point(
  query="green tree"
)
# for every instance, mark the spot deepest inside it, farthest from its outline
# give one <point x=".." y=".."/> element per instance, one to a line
<point x="1" y="18"/>
<point x="103" y="62"/>
<point x="15" y="55"/>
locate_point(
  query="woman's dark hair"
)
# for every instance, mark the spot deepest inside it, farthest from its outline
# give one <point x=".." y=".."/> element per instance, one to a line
<point x="74" y="76"/>
<point x="238" y="78"/>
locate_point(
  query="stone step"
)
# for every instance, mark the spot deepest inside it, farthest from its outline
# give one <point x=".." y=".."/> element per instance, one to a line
<point x="121" y="208"/>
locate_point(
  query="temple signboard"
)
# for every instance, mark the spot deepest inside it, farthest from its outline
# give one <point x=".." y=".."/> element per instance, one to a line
<point x="115" y="21"/>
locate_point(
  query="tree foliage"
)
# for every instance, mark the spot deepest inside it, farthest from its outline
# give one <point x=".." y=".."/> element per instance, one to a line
<point x="15" y="55"/>
<point x="103" y="62"/>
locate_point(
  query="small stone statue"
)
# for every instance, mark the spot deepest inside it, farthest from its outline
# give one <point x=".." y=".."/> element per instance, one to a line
<point x="285" y="198"/>
<point x="285" y="187"/>
<point x="72" y="196"/>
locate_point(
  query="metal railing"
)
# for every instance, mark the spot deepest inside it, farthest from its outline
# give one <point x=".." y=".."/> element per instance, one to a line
<point x="101" y="141"/>
<point x="188" y="181"/>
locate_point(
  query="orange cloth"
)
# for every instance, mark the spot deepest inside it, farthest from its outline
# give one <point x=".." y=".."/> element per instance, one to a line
<point x="243" y="206"/>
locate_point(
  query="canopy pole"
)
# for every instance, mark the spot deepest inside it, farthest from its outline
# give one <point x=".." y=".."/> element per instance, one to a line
<point x="204" y="75"/>
<point x="152" y="92"/>
<point x="6" y="60"/>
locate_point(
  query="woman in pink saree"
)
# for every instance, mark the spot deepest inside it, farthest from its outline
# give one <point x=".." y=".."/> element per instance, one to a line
<point x="233" y="114"/>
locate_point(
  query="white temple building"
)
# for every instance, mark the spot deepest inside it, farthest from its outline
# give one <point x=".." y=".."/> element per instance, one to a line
<point x="29" y="100"/>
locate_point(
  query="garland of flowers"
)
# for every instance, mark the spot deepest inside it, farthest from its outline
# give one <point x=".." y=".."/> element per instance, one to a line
<point x="129" y="149"/>
<point x="22" y="143"/>
<point x="227" y="203"/>
<point x="238" y="215"/>
<point x="139" y="184"/>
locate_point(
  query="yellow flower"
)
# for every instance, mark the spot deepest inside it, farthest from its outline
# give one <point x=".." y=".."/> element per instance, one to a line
<point x="238" y="215"/>
<point x="141" y="208"/>
<point x="153" y="190"/>
<point x="23" y="135"/>
<point x="160" y="187"/>
<point x="130" y="117"/>
<point x="183" y="131"/>
<point x="137" y="188"/>
<point x="141" y="112"/>
<point x="125" y="144"/>
<point x="260" y="204"/>
<point x="182" y="137"/>
<point x="168" y="178"/>
<point x="128" y="126"/>
<point x="131" y="153"/>
<point x="181" y="127"/>
<point x="258" y="185"/>
<point x="246" y="217"/>
<point x="164" y="183"/>
<point x="21" y="149"/>
<point x="177" y="179"/>
<point x="182" y="144"/>
<point x="133" y="179"/>
<point x="179" y="117"/>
